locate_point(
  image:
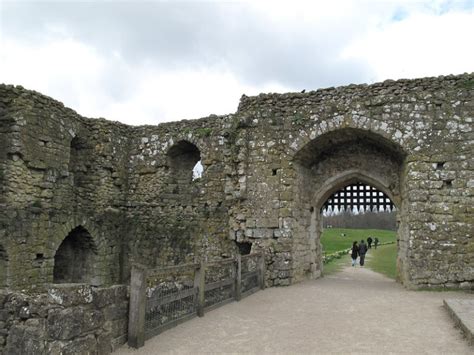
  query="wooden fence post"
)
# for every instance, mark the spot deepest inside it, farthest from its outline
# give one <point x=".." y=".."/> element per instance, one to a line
<point x="261" y="271"/>
<point x="136" y="315"/>
<point x="200" y="284"/>
<point x="238" y="279"/>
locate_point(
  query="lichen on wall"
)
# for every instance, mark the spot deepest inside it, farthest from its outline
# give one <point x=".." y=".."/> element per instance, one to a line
<point x="266" y="171"/>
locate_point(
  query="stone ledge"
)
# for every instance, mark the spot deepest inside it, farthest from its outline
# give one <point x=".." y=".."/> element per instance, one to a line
<point x="462" y="312"/>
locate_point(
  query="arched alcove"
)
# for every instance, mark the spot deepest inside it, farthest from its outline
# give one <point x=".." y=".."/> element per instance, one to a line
<point x="74" y="261"/>
<point x="3" y="267"/>
<point x="328" y="164"/>
<point x="184" y="166"/>
<point x="182" y="158"/>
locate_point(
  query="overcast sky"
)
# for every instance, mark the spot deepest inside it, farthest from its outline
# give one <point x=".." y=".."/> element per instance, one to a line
<point x="145" y="62"/>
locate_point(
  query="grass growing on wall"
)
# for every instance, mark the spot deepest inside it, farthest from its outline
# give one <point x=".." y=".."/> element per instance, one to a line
<point x="332" y="240"/>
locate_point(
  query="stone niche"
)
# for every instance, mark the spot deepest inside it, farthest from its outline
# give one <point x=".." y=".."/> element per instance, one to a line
<point x="74" y="261"/>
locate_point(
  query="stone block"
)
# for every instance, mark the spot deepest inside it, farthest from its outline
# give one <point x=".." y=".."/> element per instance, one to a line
<point x="116" y="328"/>
<point x="70" y="294"/>
<point x="116" y="311"/>
<point x="83" y="345"/>
<point x="27" y="338"/>
<point x="262" y="233"/>
<point x="104" y="343"/>
<point x="66" y="324"/>
<point x="103" y="297"/>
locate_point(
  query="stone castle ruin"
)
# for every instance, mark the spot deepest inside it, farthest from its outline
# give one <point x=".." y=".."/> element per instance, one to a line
<point x="81" y="199"/>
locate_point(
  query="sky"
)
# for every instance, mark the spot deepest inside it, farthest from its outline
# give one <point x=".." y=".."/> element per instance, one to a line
<point x="146" y="62"/>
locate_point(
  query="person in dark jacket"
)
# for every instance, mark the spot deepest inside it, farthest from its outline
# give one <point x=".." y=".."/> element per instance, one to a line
<point x="369" y="242"/>
<point x="354" y="253"/>
<point x="362" y="251"/>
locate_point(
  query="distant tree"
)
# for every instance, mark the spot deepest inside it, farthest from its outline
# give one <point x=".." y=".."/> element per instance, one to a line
<point x="367" y="219"/>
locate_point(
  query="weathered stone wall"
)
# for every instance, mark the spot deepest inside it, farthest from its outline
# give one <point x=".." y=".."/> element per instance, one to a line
<point x="418" y="140"/>
<point x="171" y="218"/>
<point x="46" y="194"/>
<point x="69" y="319"/>
<point x="267" y="170"/>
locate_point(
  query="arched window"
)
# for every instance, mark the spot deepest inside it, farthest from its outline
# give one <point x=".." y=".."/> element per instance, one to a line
<point x="184" y="160"/>
<point x="3" y="267"/>
<point x="75" y="258"/>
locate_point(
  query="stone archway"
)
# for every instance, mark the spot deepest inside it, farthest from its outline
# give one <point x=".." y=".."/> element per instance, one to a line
<point x="325" y="165"/>
<point x="99" y="256"/>
<point x="75" y="259"/>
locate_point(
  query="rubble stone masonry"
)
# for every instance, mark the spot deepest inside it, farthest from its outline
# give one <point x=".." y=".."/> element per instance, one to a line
<point x="81" y="199"/>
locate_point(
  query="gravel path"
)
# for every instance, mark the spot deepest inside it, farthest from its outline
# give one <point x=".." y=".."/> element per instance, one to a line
<point x="354" y="311"/>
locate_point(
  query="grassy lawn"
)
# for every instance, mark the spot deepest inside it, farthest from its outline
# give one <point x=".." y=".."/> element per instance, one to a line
<point x="332" y="240"/>
<point x="382" y="260"/>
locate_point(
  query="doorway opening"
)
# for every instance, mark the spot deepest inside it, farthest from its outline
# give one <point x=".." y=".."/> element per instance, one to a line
<point x="346" y="170"/>
<point x="359" y="216"/>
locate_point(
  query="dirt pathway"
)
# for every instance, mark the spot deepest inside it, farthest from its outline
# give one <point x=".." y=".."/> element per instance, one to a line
<point x="354" y="311"/>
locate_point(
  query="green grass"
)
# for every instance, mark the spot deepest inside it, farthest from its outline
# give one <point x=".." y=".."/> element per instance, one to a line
<point x="332" y="240"/>
<point x="383" y="260"/>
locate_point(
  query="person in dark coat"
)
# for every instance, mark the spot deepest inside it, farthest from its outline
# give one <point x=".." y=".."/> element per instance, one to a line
<point x="369" y="242"/>
<point x="362" y="252"/>
<point x="354" y="253"/>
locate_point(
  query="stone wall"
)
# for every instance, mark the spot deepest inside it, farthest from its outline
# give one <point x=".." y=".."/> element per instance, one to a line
<point x="173" y="218"/>
<point x="49" y="188"/>
<point x="68" y="319"/>
<point x="268" y="169"/>
<point x="416" y="137"/>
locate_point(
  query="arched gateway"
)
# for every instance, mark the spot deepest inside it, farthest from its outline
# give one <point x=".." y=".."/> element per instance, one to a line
<point x="330" y="162"/>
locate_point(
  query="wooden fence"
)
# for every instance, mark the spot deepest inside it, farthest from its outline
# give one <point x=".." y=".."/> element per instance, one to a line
<point x="163" y="297"/>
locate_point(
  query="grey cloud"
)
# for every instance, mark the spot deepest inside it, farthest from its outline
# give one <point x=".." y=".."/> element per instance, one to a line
<point x="193" y="35"/>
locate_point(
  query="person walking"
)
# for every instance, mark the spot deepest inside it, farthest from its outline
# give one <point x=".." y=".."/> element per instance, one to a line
<point x="376" y="242"/>
<point x="369" y="242"/>
<point x="354" y="253"/>
<point x="362" y="252"/>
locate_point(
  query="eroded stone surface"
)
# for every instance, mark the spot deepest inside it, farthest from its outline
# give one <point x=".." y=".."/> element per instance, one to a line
<point x="268" y="169"/>
<point x="82" y="323"/>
